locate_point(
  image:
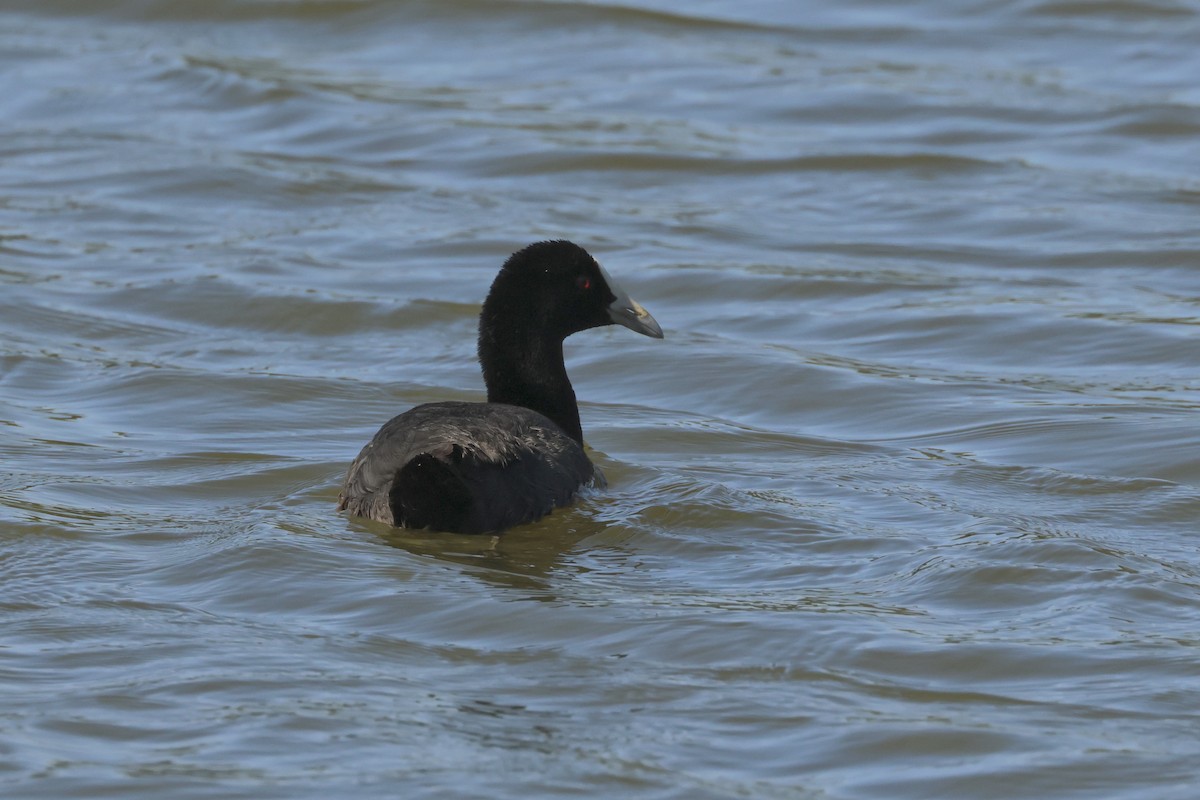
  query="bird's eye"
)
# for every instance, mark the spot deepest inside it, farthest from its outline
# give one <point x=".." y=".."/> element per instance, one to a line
<point x="583" y="282"/>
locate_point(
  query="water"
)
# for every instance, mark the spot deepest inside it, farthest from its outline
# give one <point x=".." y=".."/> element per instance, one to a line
<point x="904" y="506"/>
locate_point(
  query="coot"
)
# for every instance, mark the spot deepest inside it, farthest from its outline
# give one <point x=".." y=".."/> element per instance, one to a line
<point x="484" y="467"/>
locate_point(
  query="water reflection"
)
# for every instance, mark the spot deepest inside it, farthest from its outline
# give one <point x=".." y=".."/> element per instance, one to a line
<point x="524" y="558"/>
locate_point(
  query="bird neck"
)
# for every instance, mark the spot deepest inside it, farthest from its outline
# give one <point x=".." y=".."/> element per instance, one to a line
<point x="528" y="371"/>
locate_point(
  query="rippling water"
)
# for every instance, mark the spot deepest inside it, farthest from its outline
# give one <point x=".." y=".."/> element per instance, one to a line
<point x="904" y="506"/>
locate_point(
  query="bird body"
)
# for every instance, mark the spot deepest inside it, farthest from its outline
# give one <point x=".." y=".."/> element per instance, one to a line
<point x="465" y="467"/>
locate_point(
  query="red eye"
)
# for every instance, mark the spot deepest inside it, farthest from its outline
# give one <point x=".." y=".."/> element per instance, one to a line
<point x="583" y="282"/>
